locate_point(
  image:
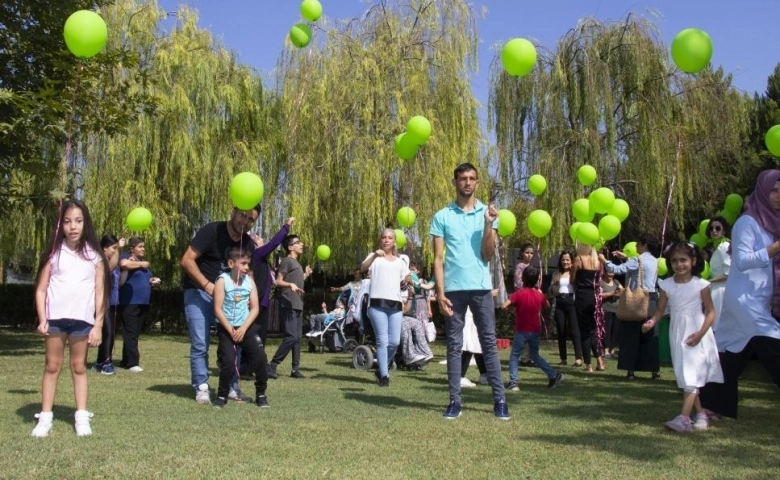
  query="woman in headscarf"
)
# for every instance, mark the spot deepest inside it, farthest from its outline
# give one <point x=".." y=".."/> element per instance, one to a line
<point x="749" y="323"/>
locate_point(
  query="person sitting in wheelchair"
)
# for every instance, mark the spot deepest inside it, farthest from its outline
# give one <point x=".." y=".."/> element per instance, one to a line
<point x="319" y="321"/>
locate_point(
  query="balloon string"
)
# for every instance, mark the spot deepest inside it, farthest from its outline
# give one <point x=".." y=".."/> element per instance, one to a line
<point x="671" y="190"/>
<point x="64" y="165"/>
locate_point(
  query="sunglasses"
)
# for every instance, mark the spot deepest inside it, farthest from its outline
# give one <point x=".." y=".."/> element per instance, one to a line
<point x="715" y="228"/>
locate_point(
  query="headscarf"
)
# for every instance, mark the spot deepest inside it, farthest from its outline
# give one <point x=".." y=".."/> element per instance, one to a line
<point x="758" y="207"/>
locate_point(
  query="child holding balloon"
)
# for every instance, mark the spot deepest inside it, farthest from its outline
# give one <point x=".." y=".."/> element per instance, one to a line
<point x="70" y="298"/>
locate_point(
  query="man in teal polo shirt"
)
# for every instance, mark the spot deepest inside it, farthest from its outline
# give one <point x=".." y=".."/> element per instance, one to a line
<point x="466" y="229"/>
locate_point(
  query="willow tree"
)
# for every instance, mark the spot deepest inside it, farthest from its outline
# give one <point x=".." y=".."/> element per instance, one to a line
<point x="209" y="124"/>
<point x="607" y="96"/>
<point x="346" y="97"/>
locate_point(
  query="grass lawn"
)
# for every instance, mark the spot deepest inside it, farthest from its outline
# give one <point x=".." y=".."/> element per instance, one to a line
<point x="338" y="424"/>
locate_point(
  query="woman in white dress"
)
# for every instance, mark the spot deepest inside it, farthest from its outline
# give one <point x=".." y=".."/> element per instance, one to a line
<point x="720" y="262"/>
<point x="750" y="320"/>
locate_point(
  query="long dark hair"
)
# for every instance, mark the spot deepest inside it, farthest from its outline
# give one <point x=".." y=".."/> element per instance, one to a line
<point x="691" y="251"/>
<point x="88" y="241"/>
<point x="560" y="259"/>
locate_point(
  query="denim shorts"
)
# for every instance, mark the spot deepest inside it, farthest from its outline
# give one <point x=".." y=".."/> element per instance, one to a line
<point x="77" y="328"/>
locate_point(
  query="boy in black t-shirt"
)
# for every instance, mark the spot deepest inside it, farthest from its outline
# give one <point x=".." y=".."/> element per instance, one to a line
<point x="289" y="279"/>
<point x="203" y="261"/>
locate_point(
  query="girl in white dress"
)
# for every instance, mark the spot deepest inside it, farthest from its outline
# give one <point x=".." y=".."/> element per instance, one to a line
<point x="692" y="342"/>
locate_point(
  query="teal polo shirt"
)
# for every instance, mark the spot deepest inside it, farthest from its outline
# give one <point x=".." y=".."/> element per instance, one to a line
<point x="462" y="232"/>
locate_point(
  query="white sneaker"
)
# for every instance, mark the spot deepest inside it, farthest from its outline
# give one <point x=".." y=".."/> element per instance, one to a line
<point x="202" y="395"/>
<point x="483" y="380"/>
<point x="135" y="369"/>
<point x="680" y="424"/>
<point x="465" y="382"/>
<point x="702" y="422"/>
<point x="43" y="428"/>
<point x="82" y="426"/>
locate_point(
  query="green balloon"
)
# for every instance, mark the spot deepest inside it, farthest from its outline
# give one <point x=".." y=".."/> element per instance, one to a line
<point x="734" y="203"/>
<point x="601" y="199"/>
<point x="537" y="184"/>
<point x="405" y="147"/>
<point x="699" y="240"/>
<point x="573" y="231"/>
<point x="518" y="57"/>
<point x="691" y="50"/>
<point x="539" y="223"/>
<point x="620" y="209"/>
<point x="629" y="250"/>
<point x="588" y="234"/>
<point x="581" y="210"/>
<point x="772" y="140"/>
<point x="730" y="216"/>
<point x="609" y="227"/>
<point x="311" y="10"/>
<point x="400" y="239"/>
<point x="85" y="33"/>
<point x="246" y="190"/>
<point x="300" y="35"/>
<point x="418" y="129"/>
<point x="663" y="269"/>
<point x="406" y="217"/>
<point x="705" y="274"/>
<point x="138" y="219"/>
<point x="506" y="223"/>
<point x="323" y="252"/>
<point x="703" y="225"/>
<point x="586" y="174"/>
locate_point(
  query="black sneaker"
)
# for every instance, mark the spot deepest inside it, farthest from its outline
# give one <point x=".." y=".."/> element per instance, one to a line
<point x="297" y="374"/>
<point x="262" y="401"/>
<point x="272" y="371"/>
<point x="377" y="377"/>
<point x="554" y="382"/>
<point x="220" y="402"/>
<point x="501" y="410"/>
<point x="453" y="411"/>
<point x="384" y="382"/>
<point x="528" y="364"/>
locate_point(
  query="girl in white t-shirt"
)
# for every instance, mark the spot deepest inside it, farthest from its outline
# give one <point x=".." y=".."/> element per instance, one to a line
<point x="387" y="271"/>
<point x="70" y="299"/>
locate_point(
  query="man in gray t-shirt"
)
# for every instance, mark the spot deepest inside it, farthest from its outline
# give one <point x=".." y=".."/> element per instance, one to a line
<point x="289" y="279"/>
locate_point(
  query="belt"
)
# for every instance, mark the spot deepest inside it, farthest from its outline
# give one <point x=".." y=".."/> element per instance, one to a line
<point x="565" y="295"/>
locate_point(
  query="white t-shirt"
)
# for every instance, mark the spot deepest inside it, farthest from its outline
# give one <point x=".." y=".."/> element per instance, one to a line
<point x="386" y="277"/>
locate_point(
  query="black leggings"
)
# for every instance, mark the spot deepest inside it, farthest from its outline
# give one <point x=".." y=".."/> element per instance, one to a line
<point x="465" y="360"/>
<point x="586" y="319"/>
<point x="252" y="346"/>
<point x="566" y="315"/>
<point x="723" y="397"/>
<point x="106" y="349"/>
<point x="133" y="319"/>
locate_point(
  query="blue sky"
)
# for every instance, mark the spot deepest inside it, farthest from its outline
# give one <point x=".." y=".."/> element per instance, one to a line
<point x="744" y="33"/>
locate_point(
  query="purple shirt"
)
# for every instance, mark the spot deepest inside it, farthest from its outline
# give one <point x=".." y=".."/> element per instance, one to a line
<point x="264" y="277"/>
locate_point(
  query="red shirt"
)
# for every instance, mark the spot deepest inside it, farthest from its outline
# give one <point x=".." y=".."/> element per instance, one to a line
<point x="528" y="304"/>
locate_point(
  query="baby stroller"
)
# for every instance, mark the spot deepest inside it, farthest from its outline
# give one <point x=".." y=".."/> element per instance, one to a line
<point x="333" y="336"/>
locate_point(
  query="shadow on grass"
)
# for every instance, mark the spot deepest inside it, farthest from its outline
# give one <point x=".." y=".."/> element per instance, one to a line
<point x="18" y="344"/>
<point x="28" y="411"/>
<point x="389" y="402"/>
<point x="367" y="380"/>
<point x="177" y="390"/>
<point x="23" y="392"/>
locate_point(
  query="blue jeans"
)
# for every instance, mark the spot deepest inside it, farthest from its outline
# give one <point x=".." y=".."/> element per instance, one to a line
<point x="199" y="313"/>
<point x="532" y="339"/>
<point x="387" y="330"/>
<point x="482" y="308"/>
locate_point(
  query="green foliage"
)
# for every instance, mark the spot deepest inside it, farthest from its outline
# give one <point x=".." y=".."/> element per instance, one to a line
<point x="608" y="97"/>
<point x="348" y="95"/>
